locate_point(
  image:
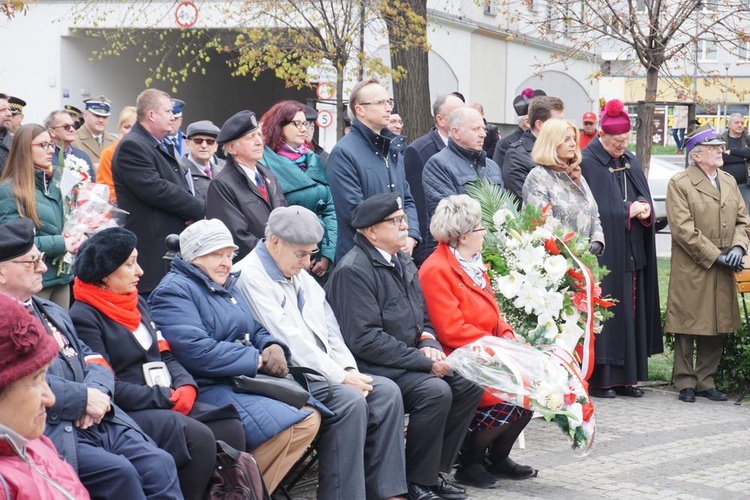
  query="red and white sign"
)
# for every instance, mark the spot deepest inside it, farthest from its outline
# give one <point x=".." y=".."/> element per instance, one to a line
<point x="325" y="90"/>
<point x="186" y="14"/>
<point x="325" y="118"/>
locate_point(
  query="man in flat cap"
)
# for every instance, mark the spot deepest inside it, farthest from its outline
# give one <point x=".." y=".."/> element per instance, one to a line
<point x="709" y="225"/>
<point x="175" y="140"/>
<point x="110" y="453"/>
<point x="201" y="160"/>
<point x="155" y="190"/>
<point x="376" y="297"/>
<point x="16" y="109"/>
<point x="416" y="156"/>
<point x="6" y="119"/>
<point x="368" y="161"/>
<point x="245" y="192"/>
<point x="361" y="447"/>
<point x="93" y="137"/>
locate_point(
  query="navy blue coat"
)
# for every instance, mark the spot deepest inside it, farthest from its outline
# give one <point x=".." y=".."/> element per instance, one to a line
<point x="415" y="157"/>
<point x="517" y="164"/>
<point x="201" y="320"/>
<point x="70" y="377"/>
<point x="363" y="164"/>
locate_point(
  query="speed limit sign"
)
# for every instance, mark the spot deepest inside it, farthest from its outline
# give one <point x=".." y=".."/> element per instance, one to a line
<point x="325" y="118"/>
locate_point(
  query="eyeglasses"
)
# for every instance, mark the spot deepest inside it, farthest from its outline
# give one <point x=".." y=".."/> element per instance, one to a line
<point x="298" y="123"/>
<point x="396" y="221"/>
<point x="35" y="261"/>
<point x="200" y="141"/>
<point x="479" y="229"/>
<point x="67" y="127"/>
<point x="383" y="103"/>
<point x="300" y="254"/>
<point x="44" y="145"/>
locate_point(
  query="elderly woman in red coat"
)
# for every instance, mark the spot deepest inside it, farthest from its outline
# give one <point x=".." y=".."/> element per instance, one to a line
<point x="462" y="309"/>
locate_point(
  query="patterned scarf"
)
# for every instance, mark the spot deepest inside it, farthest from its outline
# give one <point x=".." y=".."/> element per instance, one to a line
<point x="298" y="156"/>
<point x="474" y="267"/>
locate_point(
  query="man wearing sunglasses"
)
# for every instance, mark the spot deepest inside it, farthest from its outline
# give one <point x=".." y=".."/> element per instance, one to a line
<point x="62" y="131"/>
<point x="201" y="160"/>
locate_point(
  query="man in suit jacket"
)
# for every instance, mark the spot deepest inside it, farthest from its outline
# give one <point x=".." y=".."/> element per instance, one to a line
<point x="417" y="154"/>
<point x="151" y="185"/>
<point x="93" y="137"/>
<point x="110" y="453"/>
<point x="201" y="160"/>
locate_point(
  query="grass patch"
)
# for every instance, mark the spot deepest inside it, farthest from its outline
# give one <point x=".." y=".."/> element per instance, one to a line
<point x="660" y="365"/>
<point x="663" y="150"/>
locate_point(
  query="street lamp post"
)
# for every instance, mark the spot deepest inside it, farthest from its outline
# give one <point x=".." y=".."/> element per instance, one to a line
<point x="726" y="91"/>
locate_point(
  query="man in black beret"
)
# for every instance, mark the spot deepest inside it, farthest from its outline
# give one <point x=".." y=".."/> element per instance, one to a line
<point x="311" y="117"/>
<point x="376" y="297"/>
<point x="521" y="107"/>
<point x="245" y="192"/>
<point x="110" y="453"/>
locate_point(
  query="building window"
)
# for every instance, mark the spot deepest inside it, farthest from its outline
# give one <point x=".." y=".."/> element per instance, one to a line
<point x="707" y="51"/>
<point x="490" y="8"/>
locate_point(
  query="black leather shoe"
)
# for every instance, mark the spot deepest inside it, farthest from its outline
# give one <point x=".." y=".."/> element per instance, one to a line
<point x="602" y="393"/>
<point x="507" y="468"/>
<point x="687" y="395"/>
<point x="631" y="391"/>
<point x="419" y="492"/>
<point x="713" y="394"/>
<point x="475" y="476"/>
<point x="449" y="490"/>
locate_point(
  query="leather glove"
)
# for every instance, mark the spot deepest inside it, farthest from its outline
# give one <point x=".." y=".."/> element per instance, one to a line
<point x="734" y="257"/>
<point x="596" y="248"/>
<point x="184" y="398"/>
<point x="274" y="362"/>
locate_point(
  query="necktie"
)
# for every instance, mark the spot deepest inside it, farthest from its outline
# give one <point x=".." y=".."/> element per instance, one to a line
<point x="261" y="188"/>
<point x="98" y="141"/>
<point x="207" y="171"/>
<point x="397" y="264"/>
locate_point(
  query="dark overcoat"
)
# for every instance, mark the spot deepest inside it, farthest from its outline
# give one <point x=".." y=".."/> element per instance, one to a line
<point x="615" y="220"/>
<point x="382" y="316"/>
<point x="236" y="201"/>
<point x="151" y="186"/>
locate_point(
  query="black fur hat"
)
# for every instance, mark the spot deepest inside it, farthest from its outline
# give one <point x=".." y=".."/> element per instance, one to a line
<point x="101" y="255"/>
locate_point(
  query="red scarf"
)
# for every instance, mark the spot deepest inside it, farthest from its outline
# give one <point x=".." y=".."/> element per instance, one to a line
<point x="122" y="308"/>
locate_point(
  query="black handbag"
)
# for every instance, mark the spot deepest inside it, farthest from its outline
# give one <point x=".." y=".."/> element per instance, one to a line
<point x="236" y="476"/>
<point x="284" y="389"/>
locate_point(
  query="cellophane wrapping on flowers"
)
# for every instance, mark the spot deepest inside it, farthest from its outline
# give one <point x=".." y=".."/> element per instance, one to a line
<point x="544" y="379"/>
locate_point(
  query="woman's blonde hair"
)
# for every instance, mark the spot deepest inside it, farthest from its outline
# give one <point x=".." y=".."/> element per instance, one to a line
<point x="20" y="170"/>
<point x="127" y="114"/>
<point x="550" y="137"/>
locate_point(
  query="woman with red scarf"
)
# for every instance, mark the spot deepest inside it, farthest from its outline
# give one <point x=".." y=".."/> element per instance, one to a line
<point x="300" y="173"/>
<point x="462" y="308"/>
<point x="155" y="390"/>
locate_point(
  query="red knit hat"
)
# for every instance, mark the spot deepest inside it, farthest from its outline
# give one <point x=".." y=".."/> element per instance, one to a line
<point x="615" y="119"/>
<point x="25" y="346"/>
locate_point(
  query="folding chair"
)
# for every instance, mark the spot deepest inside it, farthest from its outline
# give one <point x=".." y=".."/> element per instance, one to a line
<point x="743" y="287"/>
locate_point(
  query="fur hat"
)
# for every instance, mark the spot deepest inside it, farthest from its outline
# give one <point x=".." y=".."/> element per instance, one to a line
<point x="101" y="255"/>
<point x="25" y="346"/>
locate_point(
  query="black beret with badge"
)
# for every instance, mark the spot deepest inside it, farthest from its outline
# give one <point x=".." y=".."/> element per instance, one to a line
<point x="16" y="238"/>
<point x="376" y="209"/>
<point x="104" y="252"/>
<point x="238" y="125"/>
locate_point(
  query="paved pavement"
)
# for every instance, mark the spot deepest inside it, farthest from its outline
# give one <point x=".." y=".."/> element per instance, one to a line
<point x="655" y="447"/>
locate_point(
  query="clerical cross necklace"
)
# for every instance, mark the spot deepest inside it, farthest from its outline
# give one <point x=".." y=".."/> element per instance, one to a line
<point x="622" y="180"/>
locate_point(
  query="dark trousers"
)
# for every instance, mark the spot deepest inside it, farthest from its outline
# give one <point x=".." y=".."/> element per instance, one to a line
<point x="361" y="447"/>
<point x="115" y="461"/>
<point x="440" y="410"/>
<point x="698" y="375"/>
